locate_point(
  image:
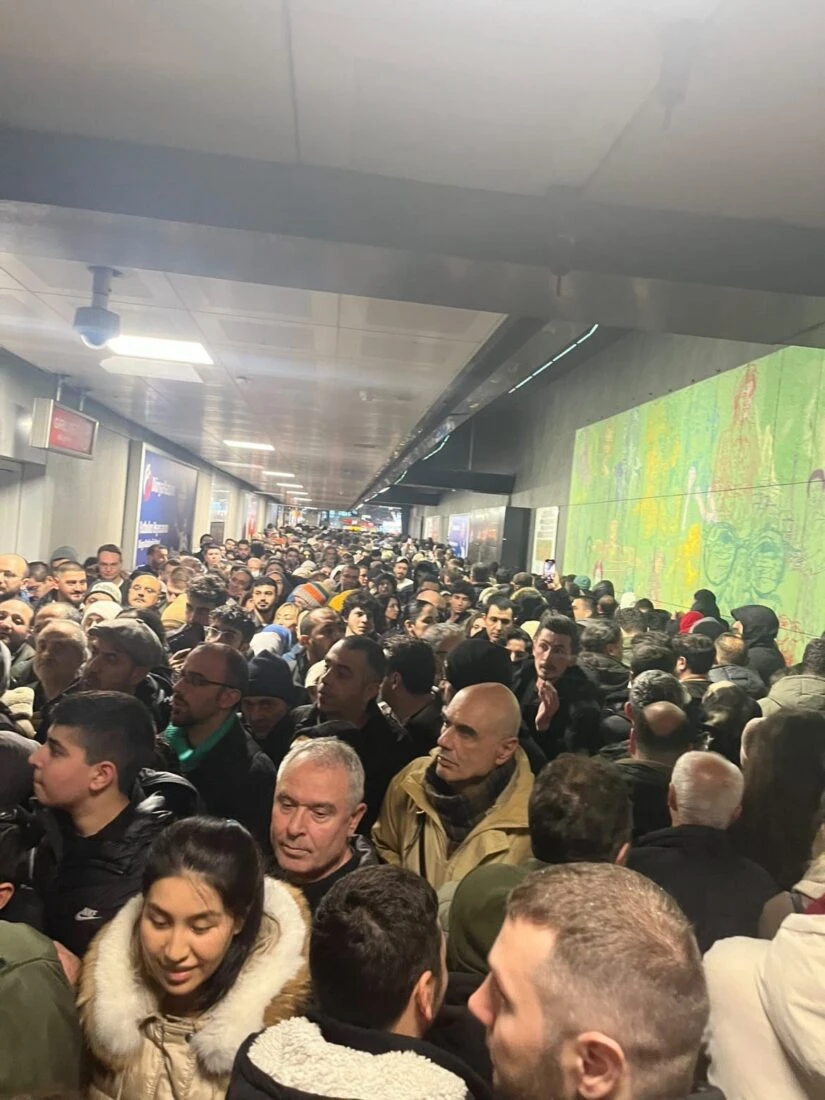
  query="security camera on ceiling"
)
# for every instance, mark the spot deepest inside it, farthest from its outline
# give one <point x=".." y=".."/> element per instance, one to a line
<point x="96" y="324"/>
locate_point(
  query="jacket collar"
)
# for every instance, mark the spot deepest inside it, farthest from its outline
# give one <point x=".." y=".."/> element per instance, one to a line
<point x="115" y="999"/>
<point x="509" y="811"/>
<point x="292" y="1054"/>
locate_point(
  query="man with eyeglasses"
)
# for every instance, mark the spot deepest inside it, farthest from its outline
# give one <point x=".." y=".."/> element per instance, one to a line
<point x="216" y="754"/>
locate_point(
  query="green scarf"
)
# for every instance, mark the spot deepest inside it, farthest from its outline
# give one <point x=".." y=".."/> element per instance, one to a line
<point x="190" y="757"/>
<point x="460" y="813"/>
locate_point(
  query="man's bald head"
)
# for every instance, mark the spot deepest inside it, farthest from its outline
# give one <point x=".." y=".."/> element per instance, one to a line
<point x="662" y="732"/>
<point x="705" y="789"/>
<point x="480" y="733"/>
<point x="13" y="571"/>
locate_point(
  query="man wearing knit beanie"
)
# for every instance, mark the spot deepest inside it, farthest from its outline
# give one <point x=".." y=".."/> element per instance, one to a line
<point x="268" y="703"/>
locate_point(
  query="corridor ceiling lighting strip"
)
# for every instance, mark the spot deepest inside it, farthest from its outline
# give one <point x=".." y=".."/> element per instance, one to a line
<point x="241" y="445"/>
<point x="153" y="347"/>
<point x="442" y="444"/>
<point x="275" y="473"/>
<point x="571" y="347"/>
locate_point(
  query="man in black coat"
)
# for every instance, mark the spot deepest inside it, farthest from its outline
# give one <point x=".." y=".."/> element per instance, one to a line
<point x="559" y="701"/>
<point x="719" y="891"/>
<point x="347" y="692"/>
<point x="96" y="826"/>
<point x="215" y="753"/>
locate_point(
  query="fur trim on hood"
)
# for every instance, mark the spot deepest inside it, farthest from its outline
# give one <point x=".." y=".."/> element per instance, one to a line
<point x="115" y="998"/>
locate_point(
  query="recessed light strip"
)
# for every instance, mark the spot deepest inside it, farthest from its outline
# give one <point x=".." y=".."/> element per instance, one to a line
<point x="243" y="445"/>
<point x="153" y="347"/>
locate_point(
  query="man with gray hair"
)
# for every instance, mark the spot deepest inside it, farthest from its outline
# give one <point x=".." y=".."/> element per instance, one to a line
<point x="721" y="893"/>
<point x="660" y="731"/>
<point x="318" y="805"/>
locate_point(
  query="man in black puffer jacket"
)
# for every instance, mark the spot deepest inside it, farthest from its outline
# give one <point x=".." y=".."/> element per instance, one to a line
<point x="96" y="823"/>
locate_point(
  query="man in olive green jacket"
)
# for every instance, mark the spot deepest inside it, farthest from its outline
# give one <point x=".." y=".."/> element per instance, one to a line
<point x="466" y="803"/>
<point x="40" y="1039"/>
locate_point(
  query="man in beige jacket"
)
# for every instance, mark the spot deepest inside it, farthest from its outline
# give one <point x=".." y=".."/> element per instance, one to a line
<point x="466" y="803"/>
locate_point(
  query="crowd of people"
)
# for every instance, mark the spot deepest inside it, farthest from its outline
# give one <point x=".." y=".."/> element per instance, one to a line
<point x="325" y="814"/>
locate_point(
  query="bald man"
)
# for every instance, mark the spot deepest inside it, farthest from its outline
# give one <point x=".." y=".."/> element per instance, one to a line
<point x="13" y="571"/>
<point x="720" y="892"/>
<point x="466" y="803"/>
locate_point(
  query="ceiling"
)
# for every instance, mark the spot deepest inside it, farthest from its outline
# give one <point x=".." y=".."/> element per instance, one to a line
<point x="334" y="382"/>
<point x="517" y="96"/>
<point x="282" y="200"/>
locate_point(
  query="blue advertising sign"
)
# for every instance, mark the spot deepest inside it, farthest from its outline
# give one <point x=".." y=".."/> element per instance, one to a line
<point x="167" y="504"/>
<point x="458" y="535"/>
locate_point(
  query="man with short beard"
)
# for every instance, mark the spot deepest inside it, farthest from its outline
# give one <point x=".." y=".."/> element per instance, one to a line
<point x="605" y="1001"/>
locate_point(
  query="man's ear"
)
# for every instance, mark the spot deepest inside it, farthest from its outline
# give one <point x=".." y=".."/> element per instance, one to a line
<point x="671" y="799"/>
<point x="506" y="749"/>
<point x="600" y="1066"/>
<point x="622" y="854"/>
<point x="103" y="777"/>
<point x="425" y="999"/>
<point x="681" y="664"/>
<point x="355" y="817"/>
<point x="6" y="894"/>
<point x="628" y="712"/>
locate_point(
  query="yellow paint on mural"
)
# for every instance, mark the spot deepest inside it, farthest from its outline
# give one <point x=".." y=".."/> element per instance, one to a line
<point x="688" y="559"/>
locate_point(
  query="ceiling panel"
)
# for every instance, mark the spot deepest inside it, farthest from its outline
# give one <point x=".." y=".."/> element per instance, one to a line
<point x="192" y="74"/>
<point x="334" y="401"/>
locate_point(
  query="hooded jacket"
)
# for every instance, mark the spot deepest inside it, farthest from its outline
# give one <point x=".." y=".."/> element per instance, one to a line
<point x="612" y="675"/>
<point x="409" y="832"/>
<point x="759" y="629"/>
<point x="802" y="690"/>
<point x="316" y="1058"/>
<point x="766" y="1036"/>
<point x="140" y="1054"/>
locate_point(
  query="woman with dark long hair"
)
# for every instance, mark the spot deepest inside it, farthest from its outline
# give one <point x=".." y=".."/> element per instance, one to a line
<point x="783" y="759"/>
<point x="208" y="954"/>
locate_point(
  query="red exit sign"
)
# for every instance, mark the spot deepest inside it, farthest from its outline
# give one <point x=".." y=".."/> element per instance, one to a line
<point x="56" y="428"/>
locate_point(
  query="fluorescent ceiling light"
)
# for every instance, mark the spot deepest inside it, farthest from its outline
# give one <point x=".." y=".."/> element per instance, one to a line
<point x="152" y="347"/>
<point x="248" y="446"/>
<point x="242" y="464"/>
<point x="277" y="473"/>
<point x="129" y="367"/>
<point x="289" y="485"/>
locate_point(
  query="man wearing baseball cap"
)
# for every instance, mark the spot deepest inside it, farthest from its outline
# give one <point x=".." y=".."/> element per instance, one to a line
<point x="268" y="704"/>
<point x="123" y="654"/>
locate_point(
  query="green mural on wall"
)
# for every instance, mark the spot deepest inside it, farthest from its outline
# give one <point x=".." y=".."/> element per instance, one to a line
<point x="720" y="485"/>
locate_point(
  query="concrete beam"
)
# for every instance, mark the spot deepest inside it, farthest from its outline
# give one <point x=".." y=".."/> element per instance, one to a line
<point x="423" y="474"/>
<point x="556" y="231"/>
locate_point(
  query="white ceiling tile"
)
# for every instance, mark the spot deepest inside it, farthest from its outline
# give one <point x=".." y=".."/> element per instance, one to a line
<point x="382" y="315"/>
<point x="50" y="276"/>
<point x="203" y="295"/>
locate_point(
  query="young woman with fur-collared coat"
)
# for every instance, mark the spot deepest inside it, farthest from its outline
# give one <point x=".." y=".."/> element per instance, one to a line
<point x="208" y="954"/>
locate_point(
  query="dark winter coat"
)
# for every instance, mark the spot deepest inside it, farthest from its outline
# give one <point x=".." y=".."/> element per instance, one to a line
<point x="84" y="881"/>
<point x="745" y="678"/>
<point x="383" y="745"/>
<point x="235" y="779"/>
<point x="363" y="855"/>
<point x="647" y="784"/>
<point x="291" y="1060"/>
<point x="576" y="725"/>
<point x="720" y="892"/>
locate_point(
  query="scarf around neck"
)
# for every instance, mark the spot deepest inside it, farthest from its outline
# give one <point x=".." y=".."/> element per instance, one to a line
<point x="461" y="812"/>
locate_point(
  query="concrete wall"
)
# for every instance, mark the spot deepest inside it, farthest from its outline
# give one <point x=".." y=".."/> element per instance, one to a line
<point x="47" y="499"/>
<point x="532" y="433"/>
